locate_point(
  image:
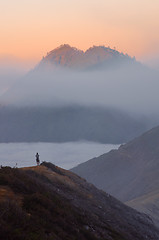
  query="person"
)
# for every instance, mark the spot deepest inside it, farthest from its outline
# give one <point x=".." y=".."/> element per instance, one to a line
<point x="37" y="159"/>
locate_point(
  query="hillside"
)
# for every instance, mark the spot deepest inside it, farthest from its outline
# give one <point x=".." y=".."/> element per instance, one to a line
<point x="148" y="204"/>
<point x="47" y="202"/>
<point x="130" y="173"/>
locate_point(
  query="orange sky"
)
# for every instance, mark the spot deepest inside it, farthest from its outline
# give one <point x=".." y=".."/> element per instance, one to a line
<point x="31" y="28"/>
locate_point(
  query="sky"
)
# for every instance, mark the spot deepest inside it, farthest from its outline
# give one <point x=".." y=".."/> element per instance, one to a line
<point x="31" y="28"/>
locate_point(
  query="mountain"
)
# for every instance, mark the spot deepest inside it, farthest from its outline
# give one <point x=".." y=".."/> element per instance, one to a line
<point x="130" y="173"/>
<point x="47" y="202"/>
<point x="148" y="204"/>
<point x="71" y="95"/>
<point x="93" y="58"/>
<point x="69" y="123"/>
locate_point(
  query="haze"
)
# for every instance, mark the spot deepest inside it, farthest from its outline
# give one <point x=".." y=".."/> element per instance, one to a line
<point x="129" y="88"/>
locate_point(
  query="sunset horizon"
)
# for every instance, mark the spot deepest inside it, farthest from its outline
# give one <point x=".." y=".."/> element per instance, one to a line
<point x="30" y="29"/>
<point x="27" y="63"/>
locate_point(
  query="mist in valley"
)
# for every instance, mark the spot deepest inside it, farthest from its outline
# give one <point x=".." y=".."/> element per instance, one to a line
<point x="110" y="104"/>
<point x="130" y="87"/>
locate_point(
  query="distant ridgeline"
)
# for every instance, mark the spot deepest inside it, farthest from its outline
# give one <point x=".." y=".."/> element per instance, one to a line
<point x="48" y="124"/>
<point x="96" y="57"/>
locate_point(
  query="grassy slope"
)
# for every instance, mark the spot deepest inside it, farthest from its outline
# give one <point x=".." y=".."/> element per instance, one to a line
<point x="47" y="202"/>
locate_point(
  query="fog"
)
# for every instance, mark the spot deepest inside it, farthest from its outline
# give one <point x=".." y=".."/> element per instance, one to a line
<point x="130" y="87"/>
<point x="10" y="73"/>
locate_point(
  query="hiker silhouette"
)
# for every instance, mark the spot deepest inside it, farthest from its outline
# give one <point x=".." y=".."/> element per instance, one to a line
<point x="37" y="159"/>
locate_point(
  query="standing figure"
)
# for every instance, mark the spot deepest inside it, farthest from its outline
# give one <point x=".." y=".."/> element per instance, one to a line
<point x="37" y="159"/>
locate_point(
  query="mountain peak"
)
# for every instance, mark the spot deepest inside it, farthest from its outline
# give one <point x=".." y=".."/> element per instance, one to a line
<point x="62" y="49"/>
<point x="71" y="57"/>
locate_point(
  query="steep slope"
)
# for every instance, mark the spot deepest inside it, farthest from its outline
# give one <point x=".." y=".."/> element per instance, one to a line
<point x="129" y="173"/>
<point x="148" y="204"/>
<point x="47" y="202"/>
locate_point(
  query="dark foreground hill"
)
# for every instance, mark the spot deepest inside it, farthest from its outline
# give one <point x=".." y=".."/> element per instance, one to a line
<point x="47" y="202"/>
<point x="130" y="173"/>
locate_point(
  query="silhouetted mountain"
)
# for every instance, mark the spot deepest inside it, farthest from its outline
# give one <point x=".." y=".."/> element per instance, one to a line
<point x="47" y="202"/>
<point x="93" y="58"/>
<point x="130" y="173"/>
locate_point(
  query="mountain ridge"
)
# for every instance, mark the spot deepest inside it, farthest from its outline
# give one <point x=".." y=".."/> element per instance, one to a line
<point x="130" y="173"/>
<point x="71" y="57"/>
<point x="140" y="150"/>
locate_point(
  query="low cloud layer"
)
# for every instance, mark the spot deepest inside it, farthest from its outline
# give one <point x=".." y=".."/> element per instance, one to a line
<point x="9" y="74"/>
<point x="66" y="155"/>
<point x="130" y="88"/>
